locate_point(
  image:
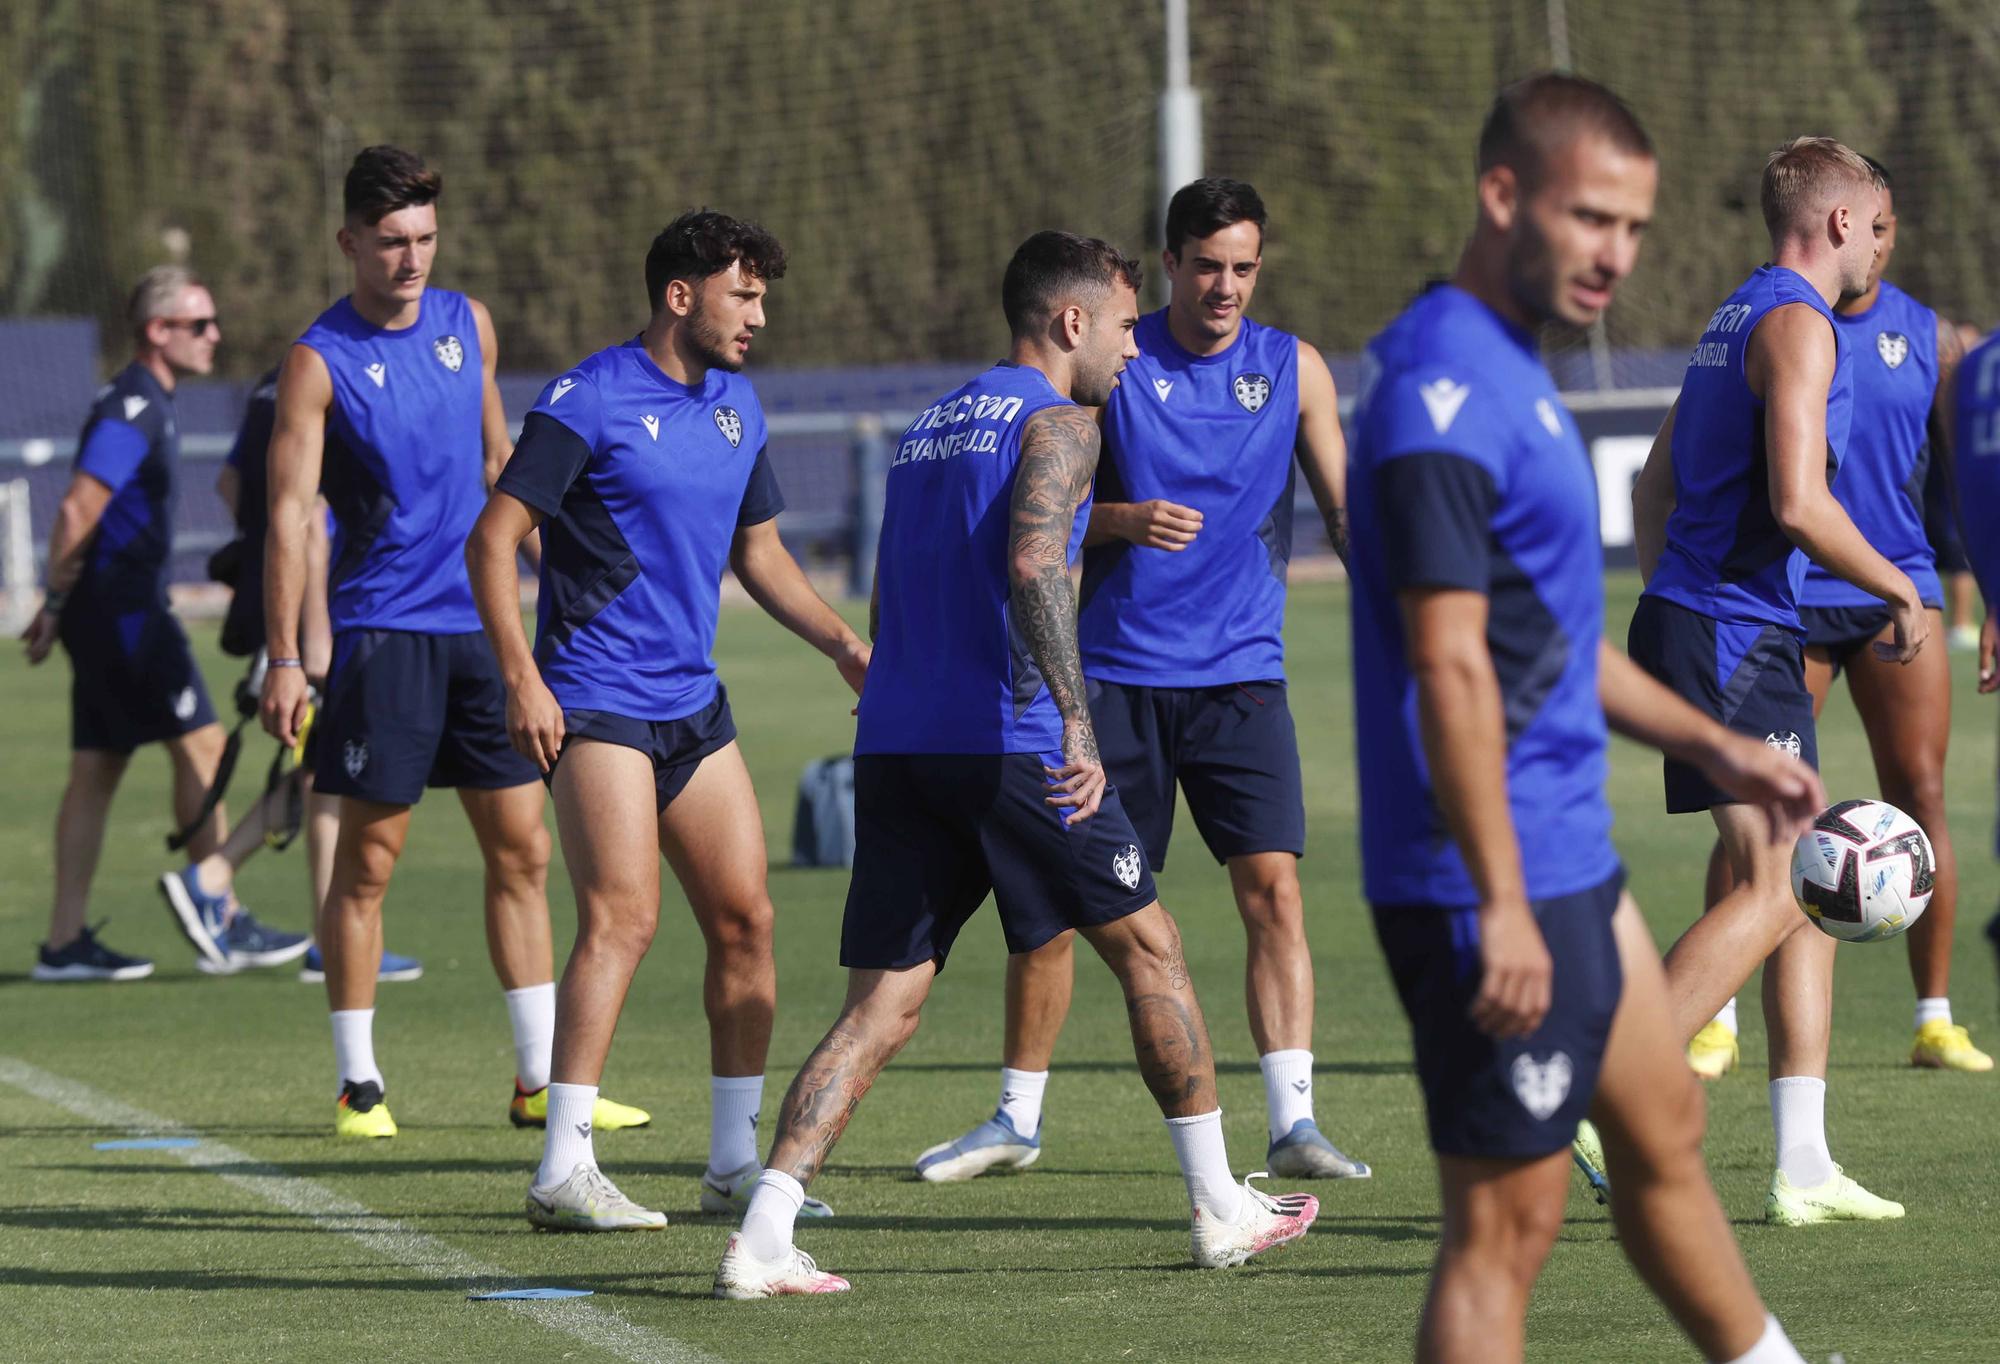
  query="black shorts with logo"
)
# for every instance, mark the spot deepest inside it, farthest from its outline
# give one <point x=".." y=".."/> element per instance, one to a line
<point x="676" y="747"/>
<point x="133" y="678"/>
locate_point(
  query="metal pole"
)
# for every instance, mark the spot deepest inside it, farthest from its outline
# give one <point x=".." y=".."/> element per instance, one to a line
<point x="1180" y="110"/>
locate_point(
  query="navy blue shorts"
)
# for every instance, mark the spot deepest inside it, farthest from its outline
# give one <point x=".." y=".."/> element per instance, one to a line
<point x="935" y="832"/>
<point x="404" y="711"/>
<point x="1518" y="1098"/>
<point x="1751" y="677"/>
<point x="133" y="679"/>
<point x="1233" y="750"/>
<point x="675" y="746"/>
<point x="1844" y="631"/>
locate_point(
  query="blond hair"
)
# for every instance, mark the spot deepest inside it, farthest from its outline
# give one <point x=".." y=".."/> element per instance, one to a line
<point x="156" y="294"/>
<point x="1806" y="176"/>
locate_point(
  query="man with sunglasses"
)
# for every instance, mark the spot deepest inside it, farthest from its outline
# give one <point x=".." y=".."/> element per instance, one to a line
<point x="133" y="676"/>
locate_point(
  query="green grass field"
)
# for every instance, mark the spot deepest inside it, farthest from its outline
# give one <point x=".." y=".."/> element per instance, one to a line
<point x="144" y="1255"/>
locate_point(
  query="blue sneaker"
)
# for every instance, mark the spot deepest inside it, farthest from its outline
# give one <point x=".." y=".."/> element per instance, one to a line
<point x="199" y="914"/>
<point x="85" y="958"/>
<point x="394" y="967"/>
<point x="249" y="943"/>
<point x="1305" y="1153"/>
<point x="993" y="1145"/>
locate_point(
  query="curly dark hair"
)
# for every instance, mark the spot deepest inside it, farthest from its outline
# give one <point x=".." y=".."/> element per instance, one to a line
<point x="384" y="179"/>
<point x="702" y="243"/>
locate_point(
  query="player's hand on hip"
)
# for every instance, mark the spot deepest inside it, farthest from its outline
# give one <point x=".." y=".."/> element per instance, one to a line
<point x="1160" y="524"/>
<point x="1077" y="787"/>
<point x="853" y="664"/>
<point x="1755" y="773"/>
<point x="40" y="636"/>
<point x="284" y="705"/>
<point x="1911" y="621"/>
<point x="1989" y="646"/>
<point x="1517" y="975"/>
<point x="535" y="722"/>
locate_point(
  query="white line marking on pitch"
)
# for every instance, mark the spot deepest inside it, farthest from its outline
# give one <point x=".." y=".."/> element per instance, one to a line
<point x="393" y="1240"/>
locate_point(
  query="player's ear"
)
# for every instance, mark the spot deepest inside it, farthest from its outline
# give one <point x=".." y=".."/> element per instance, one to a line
<point x="1070" y="326"/>
<point x="345" y="236"/>
<point x="1500" y="196"/>
<point x="1169" y="260"/>
<point x="679" y="297"/>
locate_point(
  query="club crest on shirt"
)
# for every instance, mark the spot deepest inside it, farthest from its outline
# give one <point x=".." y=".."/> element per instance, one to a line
<point x="1125" y="865"/>
<point x="185" y="704"/>
<point x="730" y="425"/>
<point x="1541" y="1086"/>
<point x="1252" y="391"/>
<point x="1893" y="347"/>
<point x="354" y="756"/>
<point x="1786" y="743"/>
<point x="450" y="352"/>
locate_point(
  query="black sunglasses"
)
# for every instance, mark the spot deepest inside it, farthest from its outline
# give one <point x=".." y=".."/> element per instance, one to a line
<point x="197" y="326"/>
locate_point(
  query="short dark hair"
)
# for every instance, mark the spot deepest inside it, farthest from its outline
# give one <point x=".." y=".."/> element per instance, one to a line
<point x="703" y="242"/>
<point x="1538" y="115"/>
<point x="1883" y="180"/>
<point x="1202" y="208"/>
<point x="1052" y="269"/>
<point x="384" y="179"/>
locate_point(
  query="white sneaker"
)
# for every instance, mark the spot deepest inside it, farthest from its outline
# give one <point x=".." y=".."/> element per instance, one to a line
<point x="1265" y="1223"/>
<point x="587" y="1201"/>
<point x="730" y="1193"/>
<point x="742" y="1275"/>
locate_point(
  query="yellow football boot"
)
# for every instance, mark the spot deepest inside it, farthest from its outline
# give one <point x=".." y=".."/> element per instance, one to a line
<point x="1947" y="1046"/>
<point x="1712" y="1054"/>
<point x="1587" y="1154"/>
<point x="360" y="1112"/>
<point x="1839" y="1199"/>
<point x="606" y="1115"/>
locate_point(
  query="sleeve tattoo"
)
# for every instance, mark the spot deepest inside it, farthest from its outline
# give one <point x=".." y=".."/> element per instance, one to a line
<point x="1058" y="460"/>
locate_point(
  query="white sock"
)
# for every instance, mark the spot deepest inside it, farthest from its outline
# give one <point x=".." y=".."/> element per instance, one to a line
<point x="1288" y="1088"/>
<point x="1205" y="1165"/>
<point x="733" y="1104"/>
<point x="1021" y="1098"/>
<point x="354" y="1046"/>
<point x="1936" y="1010"/>
<point x="566" y="1144"/>
<point x="774" y="1208"/>
<point x="532" y="1012"/>
<point x="1727" y="1016"/>
<point x="1798" y="1115"/>
<point x="1773" y="1347"/>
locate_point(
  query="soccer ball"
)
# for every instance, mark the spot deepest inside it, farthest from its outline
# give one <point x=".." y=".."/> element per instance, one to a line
<point x="1863" y="872"/>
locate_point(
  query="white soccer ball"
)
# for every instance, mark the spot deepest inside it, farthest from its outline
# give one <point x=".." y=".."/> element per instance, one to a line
<point x="1863" y="872"/>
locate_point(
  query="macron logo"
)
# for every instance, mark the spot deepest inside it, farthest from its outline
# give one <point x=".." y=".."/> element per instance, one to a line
<point x="562" y="386"/>
<point x="1442" y="399"/>
<point x="378" y="371"/>
<point x="652" y="425"/>
<point x="1163" y="387"/>
<point x="134" y="406"/>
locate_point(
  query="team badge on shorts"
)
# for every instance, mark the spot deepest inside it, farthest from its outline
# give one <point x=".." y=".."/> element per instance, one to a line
<point x="354" y="756"/>
<point x="1786" y="743"/>
<point x="1252" y="391"/>
<point x="1541" y="1086"/>
<point x="184" y="704"/>
<point x="450" y="352"/>
<point x="1893" y="347"/>
<point x="730" y="425"/>
<point x="1125" y="866"/>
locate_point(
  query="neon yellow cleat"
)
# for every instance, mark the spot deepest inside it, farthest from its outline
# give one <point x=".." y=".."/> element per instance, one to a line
<point x="1840" y="1199"/>
<point x="1712" y="1054"/>
<point x="1947" y="1046"/>
<point x="1587" y="1154"/>
<point x="606" y="1115"/>
<point x="360" y="1112"/>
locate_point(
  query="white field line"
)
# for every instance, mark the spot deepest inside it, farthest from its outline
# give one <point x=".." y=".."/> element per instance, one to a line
<point x="394" y="1241"/>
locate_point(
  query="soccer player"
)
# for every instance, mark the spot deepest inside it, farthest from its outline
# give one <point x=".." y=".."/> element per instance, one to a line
<point x="1904" y="356"/>
<point x="200" y="894"/>
<point x="391" y="394"/>
<point x="1181" y="630"/>
<point x="1483" y="686"/>
<point x="1976" y="462"/>
<point x="134" y="680"/>
<point x="645" y="466"/>
<point x="976" y="764"/>
<point x="1735" y="488"/>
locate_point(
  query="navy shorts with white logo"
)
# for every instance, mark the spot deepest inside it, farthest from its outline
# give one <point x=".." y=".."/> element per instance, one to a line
<point x="1515" y="1098"/>
<point x="405" y="711"/>
<point x="1233" y="749"/>
<point x="935" y="832"/>
<point x="1751" y="677"/>
<point x="133" y="679"/>
<point x="676" y="747"/>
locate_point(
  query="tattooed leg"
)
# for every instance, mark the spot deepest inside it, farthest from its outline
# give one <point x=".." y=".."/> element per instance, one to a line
<point x="1169" y="1035"/>
<point x="879" y="1017"/>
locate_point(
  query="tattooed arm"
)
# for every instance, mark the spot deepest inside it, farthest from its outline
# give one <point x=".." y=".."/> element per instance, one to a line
<point x="1058" y="460"/>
